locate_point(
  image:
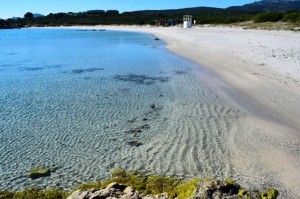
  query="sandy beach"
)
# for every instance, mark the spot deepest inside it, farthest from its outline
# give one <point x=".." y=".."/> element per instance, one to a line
<point x="262" y="69"/>
<point x="264" y="65"/>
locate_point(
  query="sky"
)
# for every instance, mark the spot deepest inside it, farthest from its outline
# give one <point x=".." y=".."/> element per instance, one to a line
<point x="17" y="8"/>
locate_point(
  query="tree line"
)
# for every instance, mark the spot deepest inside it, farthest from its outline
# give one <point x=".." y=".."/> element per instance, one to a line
<point x="202" y="16"/>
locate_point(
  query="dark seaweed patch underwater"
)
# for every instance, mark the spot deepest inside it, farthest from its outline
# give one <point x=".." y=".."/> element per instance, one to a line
<point x="8" y="65"/>
<point x="54" y="66"/>
<point x="30" y="68"/>
<point x="89" y="70"/>
<point x="141" y="79"/>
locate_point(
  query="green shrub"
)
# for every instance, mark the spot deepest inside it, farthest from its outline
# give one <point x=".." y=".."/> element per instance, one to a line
<point x="293" y="17"/>
<point x="268" y="17"/>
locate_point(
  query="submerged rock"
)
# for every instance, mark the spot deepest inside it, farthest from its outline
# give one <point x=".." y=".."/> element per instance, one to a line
<point x="39" y="172"/>
<point x="152" y="106"/>
<point x="138" y="129"/>
<point x="180" y="72"/>
<point x="135" y="143"/>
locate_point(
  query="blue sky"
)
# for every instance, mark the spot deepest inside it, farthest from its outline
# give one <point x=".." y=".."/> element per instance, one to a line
<point x="11" y="8"/>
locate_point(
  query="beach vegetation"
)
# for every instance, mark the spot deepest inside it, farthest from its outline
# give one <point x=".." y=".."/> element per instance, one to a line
<point x="28" y="15"/>
<point x="268" y="17"/>
<point x="201" y="15"/>
<point x="293" y="17"/>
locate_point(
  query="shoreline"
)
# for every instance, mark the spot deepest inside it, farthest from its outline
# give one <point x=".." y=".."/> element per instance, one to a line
<point x="260" y="82"/>
<point x="252" y="79"/>
<point x="262" y="69"/>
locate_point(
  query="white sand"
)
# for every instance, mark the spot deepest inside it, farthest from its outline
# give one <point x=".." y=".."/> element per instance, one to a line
<point x="263" y="67"/>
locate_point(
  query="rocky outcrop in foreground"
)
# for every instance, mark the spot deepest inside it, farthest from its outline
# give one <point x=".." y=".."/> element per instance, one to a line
<point x="208" y="189"/>
<point x="136" y="185"/>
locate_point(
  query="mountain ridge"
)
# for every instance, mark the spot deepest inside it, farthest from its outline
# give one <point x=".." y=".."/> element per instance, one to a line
<point x="255" y="7"/>
<point x="268" y="5"/>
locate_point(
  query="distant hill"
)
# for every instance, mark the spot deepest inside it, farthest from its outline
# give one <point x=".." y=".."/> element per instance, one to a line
<point x="278" y="1"/>
<point x="268" y="5"/>
<point x="182" y="11"/>
<point x="259" y="6"/>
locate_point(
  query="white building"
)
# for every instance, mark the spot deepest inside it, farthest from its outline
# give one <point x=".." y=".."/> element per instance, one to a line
<point x="187" y="21"/>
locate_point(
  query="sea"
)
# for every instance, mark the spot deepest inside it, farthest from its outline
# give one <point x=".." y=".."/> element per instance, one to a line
<point x="84" y="102"/>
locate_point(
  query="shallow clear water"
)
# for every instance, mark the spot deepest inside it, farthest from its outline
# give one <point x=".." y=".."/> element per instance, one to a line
<point x="78" y="101"/>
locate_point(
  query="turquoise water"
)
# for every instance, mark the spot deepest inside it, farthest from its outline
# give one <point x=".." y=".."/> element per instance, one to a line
<point x="85" y="102"/>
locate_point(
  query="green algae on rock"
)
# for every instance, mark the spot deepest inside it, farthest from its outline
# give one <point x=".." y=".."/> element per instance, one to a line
<point x="39" y="172"/>
<point x="202" y="188"/>
<point x="187" y="189"/>
<point x="136" y="185"/>
<point x="34" y="193"/>
<point x="270" y="194"/>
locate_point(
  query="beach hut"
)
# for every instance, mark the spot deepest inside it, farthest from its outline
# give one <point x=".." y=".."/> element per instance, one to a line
<point x="187" y="21"/>
<point x="159" y="22"/>
<point x="171" y="22"/>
